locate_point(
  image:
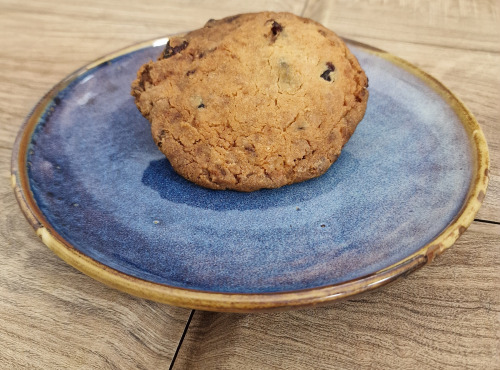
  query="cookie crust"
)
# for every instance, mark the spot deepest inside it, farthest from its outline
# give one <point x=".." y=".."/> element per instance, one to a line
<point x="253" y="101"/>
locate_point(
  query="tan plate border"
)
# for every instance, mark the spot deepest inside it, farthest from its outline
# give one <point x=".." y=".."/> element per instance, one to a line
<point x="251" y="302"/>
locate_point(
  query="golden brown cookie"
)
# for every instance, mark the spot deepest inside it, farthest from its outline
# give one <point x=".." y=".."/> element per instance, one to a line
<point x="252" y="101"/>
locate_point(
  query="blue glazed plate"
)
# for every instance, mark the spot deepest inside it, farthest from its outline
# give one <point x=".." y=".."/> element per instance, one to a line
<point x="91" y="181"/>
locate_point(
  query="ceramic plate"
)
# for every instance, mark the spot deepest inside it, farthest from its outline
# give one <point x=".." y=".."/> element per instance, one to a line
<point x="91" y="181"/>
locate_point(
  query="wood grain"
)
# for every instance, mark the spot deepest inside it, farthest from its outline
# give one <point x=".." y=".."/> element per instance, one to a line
<point x="446" y="315"/>
<point x="468" y="25"/>
<point x="44" y="41"/>
<point x="443" y="316"/>
<point x="52" y="316"/>
<point x="454" y="41"/>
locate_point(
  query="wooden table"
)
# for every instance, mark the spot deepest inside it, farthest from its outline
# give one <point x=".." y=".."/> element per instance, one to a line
<point x="446" y="315"/>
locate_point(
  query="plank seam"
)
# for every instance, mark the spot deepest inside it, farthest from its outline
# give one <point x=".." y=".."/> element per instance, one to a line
<point x="487" y="221"/>
<point x="181" y="340"/>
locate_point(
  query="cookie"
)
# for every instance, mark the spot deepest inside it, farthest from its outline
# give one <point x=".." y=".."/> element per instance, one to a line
<point x="252" y="101"/>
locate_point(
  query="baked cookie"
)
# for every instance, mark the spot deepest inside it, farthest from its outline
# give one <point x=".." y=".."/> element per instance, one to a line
<point x="252" y="101"/>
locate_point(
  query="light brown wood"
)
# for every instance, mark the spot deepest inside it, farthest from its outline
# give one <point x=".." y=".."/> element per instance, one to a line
<point x="467" y="25"/>
<point x="52" y="316"/>
<point x="457" y="42"/>
<point x="443" y="316"/>
<point x="44" y="41"/>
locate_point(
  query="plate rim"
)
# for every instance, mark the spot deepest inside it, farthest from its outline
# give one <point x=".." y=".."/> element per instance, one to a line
<point x="249" y="302"/>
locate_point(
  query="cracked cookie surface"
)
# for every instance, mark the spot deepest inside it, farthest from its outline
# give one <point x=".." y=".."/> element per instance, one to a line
<point x="252" y="101"/>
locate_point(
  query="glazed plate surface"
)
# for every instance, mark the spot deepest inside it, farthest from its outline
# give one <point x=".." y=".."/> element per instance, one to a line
<point x="91" y="181"/>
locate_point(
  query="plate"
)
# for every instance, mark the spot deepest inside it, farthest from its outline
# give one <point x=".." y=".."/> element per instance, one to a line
<point x="92" y="183"/>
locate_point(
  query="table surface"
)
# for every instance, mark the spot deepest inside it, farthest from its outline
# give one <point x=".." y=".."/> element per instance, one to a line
<point x="446" y="315"/>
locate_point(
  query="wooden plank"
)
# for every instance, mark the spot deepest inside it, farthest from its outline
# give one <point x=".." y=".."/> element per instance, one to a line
<point x="471" y="25"/>
<point x="44" y="41"/>
<point x="25" y="82"/>
<point x="73" y="34"/>
<point x="52" y="316"/>
<point x="443" y="316"/>
<point x="456" y="42"/>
